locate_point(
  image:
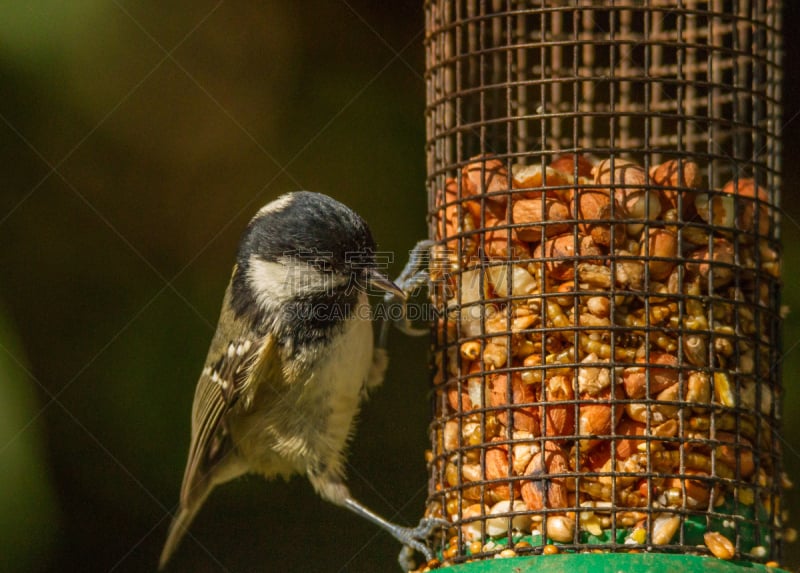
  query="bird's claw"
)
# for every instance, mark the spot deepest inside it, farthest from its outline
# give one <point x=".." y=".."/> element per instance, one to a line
<point x="415" y="539"/>
<point x="414" y="275"/>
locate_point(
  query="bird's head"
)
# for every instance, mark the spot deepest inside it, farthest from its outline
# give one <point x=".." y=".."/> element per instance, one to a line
<point x="306" y="245"/>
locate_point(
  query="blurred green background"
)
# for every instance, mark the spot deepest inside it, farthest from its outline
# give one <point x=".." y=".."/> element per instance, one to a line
<point x="136" y="140"/>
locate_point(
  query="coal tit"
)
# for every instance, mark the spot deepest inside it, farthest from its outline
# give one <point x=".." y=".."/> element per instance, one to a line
<point x="291" y="360"/>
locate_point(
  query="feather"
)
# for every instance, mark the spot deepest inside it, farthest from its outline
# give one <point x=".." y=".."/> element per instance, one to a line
<point x="237" y="359"/>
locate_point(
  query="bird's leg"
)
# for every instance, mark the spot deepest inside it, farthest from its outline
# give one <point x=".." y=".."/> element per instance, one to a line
<point x="413" y="275"/>
<point x="412" y="538"/>
<point x="329" y="484"/>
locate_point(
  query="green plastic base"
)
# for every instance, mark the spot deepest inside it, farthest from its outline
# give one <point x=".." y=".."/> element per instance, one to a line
<point x="611" y="563"/>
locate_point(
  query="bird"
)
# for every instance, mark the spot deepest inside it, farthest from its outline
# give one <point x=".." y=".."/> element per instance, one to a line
<point x="291" y="360"/>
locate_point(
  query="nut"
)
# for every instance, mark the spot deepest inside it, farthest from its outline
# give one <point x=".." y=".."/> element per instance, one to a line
<point x="595" y="417"/>
<point x="625" y="172"/>
<point x="599" y="306"/>
<point x="661" y="244"/>
<point x="499" y="526"/>
<point x="756" y="395"/>
<point x="456" y="391"/>
<point x="593" y="379"/>
<point x="735" y="453"/>
<point x="630" y="273"/>
<point x="660" y="411"/>
<point x="719" y="545"/>
<point x="530" y="182"/>
<point x="449" y="435"/>
<point x="543" y="344"/>
<point x="665" y="526"/>
<point x="595" y="214"/>
<point x="677" y="174"/>
<point x="561" y="255"/>
<point x="540" y="217"/>
<point x="635" y="377"/>
<point x="627" y="447"/>
<point x="668" y="429"/>
<point x="561" y="528"/>
<point x="541" y="487"/>
<point x="716" y="209"/>
<point x="486" y="175"/>
<point x="718" y="266"/>
<point x="559" y="419"/>
<point x="497" y="463"/>
<point x="524" y="418"/>
<point x="698" y="390"/>
<point x="746" y="191"/>
<point x="568" y="162"/>
<point x="472" y="530"/>
<point x="723" y="390"/>
<point x="628" y="181"/>
<point x="501" y="243"/>
<point x="664" y="412"/>
<point x="522" y="282"/>
<point x="522" y="451"/>
<point x="495" y="355"/>
<point x="697" y="490"/>
<point x="451" y="224"/>
<point x="644" y="205"/>
<point x="550" y="549"/>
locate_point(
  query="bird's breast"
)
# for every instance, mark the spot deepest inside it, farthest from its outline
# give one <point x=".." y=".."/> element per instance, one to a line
<point x="338" y="385"/>
<point x="311" y="423"/>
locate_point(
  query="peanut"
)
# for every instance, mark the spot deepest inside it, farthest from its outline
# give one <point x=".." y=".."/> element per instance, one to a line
<point x="562" y="257"/>
<point x="543" y="491"/>
<point x="719" y="545"/>
<point x="524" y="418"/>
<point x="540" y="217"/>
<point x="746" y="191"/>
<point x="593" y="284"/>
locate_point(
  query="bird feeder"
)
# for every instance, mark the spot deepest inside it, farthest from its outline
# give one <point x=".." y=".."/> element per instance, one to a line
<point x="603" y="186"/>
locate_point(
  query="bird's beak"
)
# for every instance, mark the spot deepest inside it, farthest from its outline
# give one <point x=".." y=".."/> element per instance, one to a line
<point x="381" y="282"/>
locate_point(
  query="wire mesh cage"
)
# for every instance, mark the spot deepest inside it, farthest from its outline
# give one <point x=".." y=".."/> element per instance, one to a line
<point x="603" y="181"/>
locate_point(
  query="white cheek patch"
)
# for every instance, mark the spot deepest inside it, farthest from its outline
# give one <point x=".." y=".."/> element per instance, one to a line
<point x="278" y="282"/>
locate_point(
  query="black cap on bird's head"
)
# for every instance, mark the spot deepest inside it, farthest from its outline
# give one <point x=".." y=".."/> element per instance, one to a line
<point x="311" y="235"/>
<point x="310" y="227"/>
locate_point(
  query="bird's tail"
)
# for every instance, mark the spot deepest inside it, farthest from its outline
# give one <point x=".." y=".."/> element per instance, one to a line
<point x="178" y="528"/>
<point x="196" y="487"/>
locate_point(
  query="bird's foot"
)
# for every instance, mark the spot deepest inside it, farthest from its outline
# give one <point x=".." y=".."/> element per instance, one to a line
<point x="416" y="539"/>
<point x="413" y="276"/>
<point x="415" y="273"/>
<point x="412" y="538"/>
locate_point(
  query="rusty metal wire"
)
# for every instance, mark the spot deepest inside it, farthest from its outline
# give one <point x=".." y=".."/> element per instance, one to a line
<point x="607" y="377"/>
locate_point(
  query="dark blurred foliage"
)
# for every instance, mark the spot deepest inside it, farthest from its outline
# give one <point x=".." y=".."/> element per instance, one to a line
<point x="136" y="140"/>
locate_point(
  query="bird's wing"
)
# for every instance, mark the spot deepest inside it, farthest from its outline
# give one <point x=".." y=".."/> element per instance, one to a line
<point x="238" y="357"/>
<point x="238" y="361"/>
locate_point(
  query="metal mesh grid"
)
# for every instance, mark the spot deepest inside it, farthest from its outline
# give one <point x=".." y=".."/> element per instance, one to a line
<point x="603" y="183"/>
